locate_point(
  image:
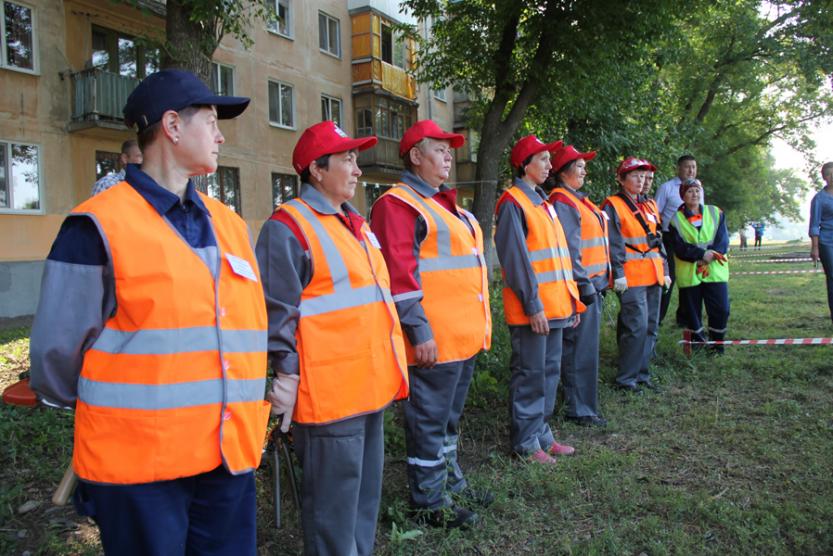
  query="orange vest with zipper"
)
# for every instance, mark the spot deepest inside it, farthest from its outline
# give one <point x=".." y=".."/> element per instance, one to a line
<point x="550" y="259"/>
<point x="595" y="253"/>
<point x="349" y="341"/>
<point x="174" y="384"/>
<point x="650" y="206"/>
<point x="454" y="279"/>
<point x="643" y="266"/>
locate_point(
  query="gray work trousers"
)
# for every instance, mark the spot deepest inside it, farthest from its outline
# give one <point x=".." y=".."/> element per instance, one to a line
<point x="536" y="368"/>
<point x="637" y="333"/>
<point x="342" y="484"/>
<point x="432" y="418"/>
<point x="580" y="363"/>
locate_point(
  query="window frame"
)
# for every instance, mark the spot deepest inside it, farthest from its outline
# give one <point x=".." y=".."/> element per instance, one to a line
<point x="436" y="94"/>
<point x="328" y="18"/>
<point x="201" y="183"/>
<point x="216" y="68"/>
<point x="6" y="144"/>
<point x="113" y="65"/>
<point x="330" y="100"/>
<point x="35" y="44"/>
<point x="269" y="100"/>
<point x="296" y="187"/>
<point x="276" y="30"/>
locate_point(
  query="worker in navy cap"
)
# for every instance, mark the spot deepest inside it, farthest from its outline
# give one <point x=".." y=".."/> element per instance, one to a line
<point x="152" y="325"/>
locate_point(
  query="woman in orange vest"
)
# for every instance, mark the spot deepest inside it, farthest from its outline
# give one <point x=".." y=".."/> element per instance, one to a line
<point x="639" y="273"/>
<point x="152" y="324"/>
<point x="335" y="343"/>
<point x="540" y="299"/>
<point x="585" y="228"/>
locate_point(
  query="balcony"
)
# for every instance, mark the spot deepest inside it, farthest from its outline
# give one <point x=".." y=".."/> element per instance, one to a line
<point x="382" y="160"/>
<point x="98" y="98"/>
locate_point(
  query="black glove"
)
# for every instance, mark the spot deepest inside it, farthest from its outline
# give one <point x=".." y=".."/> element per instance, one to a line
<point x="588" y="299"/>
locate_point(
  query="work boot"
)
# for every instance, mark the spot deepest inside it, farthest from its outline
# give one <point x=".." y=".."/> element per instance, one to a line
<point x="557" y="449"/>
<point x="449" y="517"/>
<point x="540" y="456"/>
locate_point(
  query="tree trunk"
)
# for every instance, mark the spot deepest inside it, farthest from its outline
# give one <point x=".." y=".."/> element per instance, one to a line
<point x="190" y="44"/>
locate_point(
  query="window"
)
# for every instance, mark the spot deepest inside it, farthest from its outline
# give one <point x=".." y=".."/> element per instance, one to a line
<point x="105" y="162"/>
<point x="223" y="185"/>
<point x="123" y="54"/>
<point x="394" y="48"/>
<point x="284" y="188"/>
<point x="329" y="34"/>
<point x="331" y="109"/>
<point x="373" y="191"/>
<point x="280" y="104"/>
<point x="392" y="118"/>
<point x="364" y="122"/>
<point x="20" y="178"/>
<point x="440" y="94"/>
<point x="18" y="40"/>
<point x="222" y="79"/>
<point x="282" y="25"/>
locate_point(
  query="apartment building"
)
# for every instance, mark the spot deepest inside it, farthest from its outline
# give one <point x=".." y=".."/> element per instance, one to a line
<point x="67" y="66"/>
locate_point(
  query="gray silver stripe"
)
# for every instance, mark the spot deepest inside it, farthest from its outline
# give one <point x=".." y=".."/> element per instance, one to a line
<point x="593" y="242"/>
<point x="169" y="396"/>
<point x="341" y="300"/>
<point x="338" y="270"/>
<point x="164" y="341"/>
<point x="635" y="239"/>
<point x="554" y="276"/>
<point x="631" y="256"/>
<point x="443" y="233"/>
<point x="593" y="268"/>
<point x="449" y="263"/>
<point x="407" y="295"/>
<point x="549" y="253"/>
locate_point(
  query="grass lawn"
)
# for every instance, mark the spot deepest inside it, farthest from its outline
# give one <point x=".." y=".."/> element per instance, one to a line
<point x="733" y="456"/>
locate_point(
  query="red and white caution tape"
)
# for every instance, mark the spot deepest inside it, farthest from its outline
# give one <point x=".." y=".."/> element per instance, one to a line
<point x="751" y="272"/>
<point x="688" y="342"/>
<point x="734" y="255"/>
<point x="804" y="260"/>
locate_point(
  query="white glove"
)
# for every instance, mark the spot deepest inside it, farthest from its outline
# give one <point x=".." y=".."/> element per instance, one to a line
<point x="283" y="395"/>
<point x="620" y="284"/>
<point x="667" y="282"/>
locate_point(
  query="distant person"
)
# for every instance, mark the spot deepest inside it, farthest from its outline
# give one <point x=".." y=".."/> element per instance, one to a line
<point x="743" y="241"/>
<point x="759" y="228"/>
<point x="668" y="201"/>
<point x="130" y="154"/>
<point x="701" y="241"/>
<point x="821" y="229"/>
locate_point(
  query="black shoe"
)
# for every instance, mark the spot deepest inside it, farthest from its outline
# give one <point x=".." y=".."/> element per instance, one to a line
<point x="450" y="517"/>
<point x="629" y="388"/>
<point x="647" y="384"/>
<point x="476" y="497"/>
<point x="587" y="420"/>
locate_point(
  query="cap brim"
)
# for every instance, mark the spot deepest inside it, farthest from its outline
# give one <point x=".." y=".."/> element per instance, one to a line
<point x="360" y="144"/>
<point x="227" y="107"/>
<point x="551" y="147"/>
<point x="454" y="139"/>
<point x="588" y="155"/>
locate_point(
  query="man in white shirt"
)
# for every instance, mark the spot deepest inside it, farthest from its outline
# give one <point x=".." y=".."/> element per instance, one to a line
<point x="668" y="201"/>
<point x="130" y="154"/>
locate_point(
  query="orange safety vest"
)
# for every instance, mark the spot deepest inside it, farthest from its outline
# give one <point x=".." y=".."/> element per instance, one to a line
<point x="550" y="258"/>
<point x="650" y="206"/>
<point x="174" y="384"/>
<point x="454" y="279"/>
<point x="349" y="341"/>
<point x="595" y="252"/>
<point x="643" y="265"/>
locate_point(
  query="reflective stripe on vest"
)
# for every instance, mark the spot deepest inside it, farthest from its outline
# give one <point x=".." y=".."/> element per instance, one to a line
<point x="174" y="384"/>
<point x="349" y="341"/>
<point x="550" y="259"/>
<point x="643" y="265"/>
<point x="595" y="251"/>
<point x="453" y="276"/>
<point x="687" y="275"/>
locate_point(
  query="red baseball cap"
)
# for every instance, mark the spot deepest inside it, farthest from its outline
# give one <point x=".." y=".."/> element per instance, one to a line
<point x="563" y="156"/>
<point x="651" y="167"/>
<point x="633" y="163"/>
<point x="325" y="138"/>
<point x="529" y="145"/>
<point x="427" y="128"/>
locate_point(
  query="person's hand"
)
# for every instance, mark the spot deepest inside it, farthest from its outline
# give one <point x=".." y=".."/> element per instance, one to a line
<point x="539" y="323"/>
<point x="426" y="354"/>
<point x="620" y="284"/>
<point x="576" y="321"/>
<point x="708" y="256"/>
<point x="667" y="282"/>
<point x="283" y="395"/>
<point x="720" y="257"/>
<point x="814" y="253"/>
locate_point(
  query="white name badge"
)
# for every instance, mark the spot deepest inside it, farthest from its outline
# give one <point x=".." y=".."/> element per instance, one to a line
<point x="606" y="216"/>
<point x="374" y="241"/>
<point x="241" y="267"/>
<point x="652" y="218"/>
<point x="552" y="212"/>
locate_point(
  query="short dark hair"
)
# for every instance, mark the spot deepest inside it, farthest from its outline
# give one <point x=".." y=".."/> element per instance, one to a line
<point x="826" y="167"/>
<point x="322" y="162"/>
<point x="685" y="158"/>
<point x="554" y="179"/>
<point x="127" y="145"/>
<point x="148" y="135"/>
<point x="520" y="171"/>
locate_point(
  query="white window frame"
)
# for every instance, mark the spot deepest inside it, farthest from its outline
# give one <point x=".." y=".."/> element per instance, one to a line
<point x="269" y="99"/>
<point x="273" y="26"/>
<point x="216" y="74"/>
<point x="6" y="144"/>
<point x="35" y="45"/>
<point x="440" y="95"/>
<point x="330" y="100"/>
<point x="329" y="18"/>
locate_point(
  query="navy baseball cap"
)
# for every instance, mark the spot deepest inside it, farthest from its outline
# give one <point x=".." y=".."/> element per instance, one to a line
<point x="173" y="89"/>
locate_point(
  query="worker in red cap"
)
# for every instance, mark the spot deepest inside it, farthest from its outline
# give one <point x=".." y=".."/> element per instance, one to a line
<point x="639" y="273"/>
<point x="585" y="228"/>
<point x="335" y="344"/>
<point x="434" y="250"/>
<point x="540" y="299"/>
